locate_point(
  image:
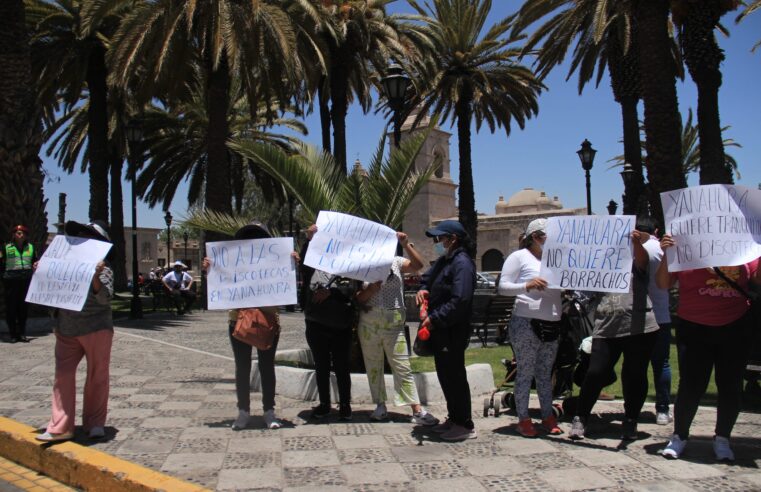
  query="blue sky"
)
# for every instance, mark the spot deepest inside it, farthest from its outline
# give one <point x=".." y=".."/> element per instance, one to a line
<point x="543" y="155"/>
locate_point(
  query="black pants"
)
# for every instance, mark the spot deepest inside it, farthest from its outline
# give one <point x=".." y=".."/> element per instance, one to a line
<point x="266" y="362"/>
<point x="183" y="299"/>
<point x="637" y="350"/>
<point x="330" y="347"/>
<point x="450" y="369"/>
<point x="703" y="348"/>
<point x="15" y="306"/>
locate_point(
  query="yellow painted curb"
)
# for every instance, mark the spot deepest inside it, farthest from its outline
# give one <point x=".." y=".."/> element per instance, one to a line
<point x="80" y="466"/>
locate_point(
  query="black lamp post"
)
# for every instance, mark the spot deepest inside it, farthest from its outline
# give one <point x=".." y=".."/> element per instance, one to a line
<point x="395" y="86"/>
<point x="135" y="138"/>
<point x="628" y="176"/>
<point x="185" y="238"/>
<point x="612" y="207"/>
<point x="587" y="157"/>
<point x="168" y="220"/>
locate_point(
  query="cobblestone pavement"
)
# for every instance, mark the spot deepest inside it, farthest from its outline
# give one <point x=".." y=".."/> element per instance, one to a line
<point x="173" y="400"/>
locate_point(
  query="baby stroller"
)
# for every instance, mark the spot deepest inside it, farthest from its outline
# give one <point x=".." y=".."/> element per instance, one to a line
<point x="575" y="327"/>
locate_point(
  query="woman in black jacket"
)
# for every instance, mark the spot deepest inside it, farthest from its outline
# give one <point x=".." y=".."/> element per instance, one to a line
<point x="448" y="288"/>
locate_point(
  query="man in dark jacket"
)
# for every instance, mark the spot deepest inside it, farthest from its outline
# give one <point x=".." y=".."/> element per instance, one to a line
<point x="16" y="260"/>
<point x="448" y="286"/>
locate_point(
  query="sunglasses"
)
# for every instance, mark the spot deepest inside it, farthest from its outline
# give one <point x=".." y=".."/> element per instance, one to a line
<point x="438" y="239"/>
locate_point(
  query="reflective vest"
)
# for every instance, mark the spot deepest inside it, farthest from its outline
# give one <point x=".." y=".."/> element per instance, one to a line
<point x="18" y="261"/>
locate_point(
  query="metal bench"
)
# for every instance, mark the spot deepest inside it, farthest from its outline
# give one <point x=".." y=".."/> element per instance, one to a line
<point x="496" y="313"/>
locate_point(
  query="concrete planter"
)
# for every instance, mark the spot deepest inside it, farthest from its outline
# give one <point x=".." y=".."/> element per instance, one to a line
<point x="301" y="384"/>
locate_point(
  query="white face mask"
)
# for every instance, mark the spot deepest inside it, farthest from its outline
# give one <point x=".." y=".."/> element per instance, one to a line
<point x="439" y="249"/>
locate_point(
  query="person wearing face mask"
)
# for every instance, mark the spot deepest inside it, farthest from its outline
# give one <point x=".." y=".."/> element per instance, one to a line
<point x="448" y="287"/>
<point x="534" y="327"/>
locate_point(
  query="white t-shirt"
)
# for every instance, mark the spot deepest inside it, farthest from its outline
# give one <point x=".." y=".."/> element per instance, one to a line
<point x="391" y="293"/>
<point x="178" y="280"/>
<point x="658" y="297"/>
<point x="519" y="268"/>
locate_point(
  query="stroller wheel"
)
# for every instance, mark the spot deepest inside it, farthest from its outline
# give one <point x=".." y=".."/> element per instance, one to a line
<point x="487" y="406"/>
<point x="557" y="409"/>
<point x="508" y="400"/>
<point x="497" y="406"/>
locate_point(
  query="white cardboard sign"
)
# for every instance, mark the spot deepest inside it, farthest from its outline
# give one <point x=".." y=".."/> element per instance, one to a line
<point x="251" y="273"/>
<point x="592" y="253"/>
<point x="351" y="247"/>
<point x="712" y="225"/>
<point x="64" y="273"/>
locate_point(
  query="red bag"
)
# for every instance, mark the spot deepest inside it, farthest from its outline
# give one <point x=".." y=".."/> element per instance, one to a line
<point x="257" y="328"/>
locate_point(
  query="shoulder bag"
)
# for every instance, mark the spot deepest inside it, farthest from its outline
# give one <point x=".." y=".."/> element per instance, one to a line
<point x="257" y="328"/>
<point x="337" y="311"/>
<point x="753" y="297"/>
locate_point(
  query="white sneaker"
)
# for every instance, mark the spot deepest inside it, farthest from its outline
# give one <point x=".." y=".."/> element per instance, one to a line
<point x="270" y="420"/>
<point x="578" y="429"/>
<point x="663" y="418"/>
<point x="423" y="417"/>
<point x="51" y="437"/>
<point x="242" y="421"/>
<point x="722" y="450"/>
<point x="379" y="413"/>
<point x="97" y="433"/>
<point x="675" y="447"/>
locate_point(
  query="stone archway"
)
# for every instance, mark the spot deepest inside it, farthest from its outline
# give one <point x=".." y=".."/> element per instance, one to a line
<point x="492" y="260"/>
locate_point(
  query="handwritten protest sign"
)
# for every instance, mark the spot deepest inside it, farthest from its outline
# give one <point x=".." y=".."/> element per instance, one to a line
<point x="712" y="225"/>
<point x="588" y="253"/>
<point x="63" y="275"/>
<point x="251" y="273"/>
<point x="351" y="247"/>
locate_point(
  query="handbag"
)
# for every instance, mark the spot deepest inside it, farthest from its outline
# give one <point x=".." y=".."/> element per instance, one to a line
<point x="336" y="311"/>
<point x="422" y="348"/>
<point x="546" y="331"/>
<point x="256" y="328"/>
<point x="753" y="297"/>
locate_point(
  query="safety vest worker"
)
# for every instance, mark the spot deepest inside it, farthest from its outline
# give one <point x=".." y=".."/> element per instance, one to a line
<point x="16" y="267"/>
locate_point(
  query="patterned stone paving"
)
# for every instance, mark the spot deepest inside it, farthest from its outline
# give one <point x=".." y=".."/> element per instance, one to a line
<point x="171" y="409"/>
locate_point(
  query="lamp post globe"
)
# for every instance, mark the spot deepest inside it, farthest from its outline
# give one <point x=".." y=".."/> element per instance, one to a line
<point x="395" y="85"/>
<point x="612" y="207"/>
<point x="134" y="134"/>
<point x="168" y="220"/>
<point x="587" y="157"/>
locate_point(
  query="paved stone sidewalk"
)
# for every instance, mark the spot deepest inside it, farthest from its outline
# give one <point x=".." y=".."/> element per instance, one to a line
<point x="173" y="400"/>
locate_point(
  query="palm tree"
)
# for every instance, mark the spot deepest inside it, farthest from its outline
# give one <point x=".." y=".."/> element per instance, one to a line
<point x="69" y="48"/>
<point x="161" y="42"/>
<point x="21" y="194"/>
<point x="749" y="9"/>
<point x="603" y="36"/>
<point x="658" y="81"/>
<point x="472" y="76"/>
<point x="703" y="56"/>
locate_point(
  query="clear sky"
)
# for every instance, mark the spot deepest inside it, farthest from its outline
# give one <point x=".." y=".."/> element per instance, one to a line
<point x="543" y="155"/>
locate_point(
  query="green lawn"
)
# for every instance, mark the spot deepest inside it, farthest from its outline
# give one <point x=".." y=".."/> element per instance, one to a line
<point x="493" y="356"/>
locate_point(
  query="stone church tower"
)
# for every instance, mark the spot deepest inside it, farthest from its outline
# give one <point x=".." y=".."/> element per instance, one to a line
<point x="436" y="200"/>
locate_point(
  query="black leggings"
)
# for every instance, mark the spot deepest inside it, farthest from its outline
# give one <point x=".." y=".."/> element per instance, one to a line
<point x="330" y="346"/>
<point x="702" y="348"/>
<point x="450" y="369"/>
<point x="266" y="363"/>
<point x="636" y="350"/>
<point x="15" y="305"/>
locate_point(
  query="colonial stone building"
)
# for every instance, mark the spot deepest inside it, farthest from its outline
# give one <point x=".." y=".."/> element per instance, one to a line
<point x="497" y="233"/>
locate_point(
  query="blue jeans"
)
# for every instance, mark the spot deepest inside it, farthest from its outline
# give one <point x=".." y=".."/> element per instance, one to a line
<point x="662" y="369"/>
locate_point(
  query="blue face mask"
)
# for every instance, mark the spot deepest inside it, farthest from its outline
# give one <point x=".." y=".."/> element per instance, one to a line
<point x="439" y="249"/>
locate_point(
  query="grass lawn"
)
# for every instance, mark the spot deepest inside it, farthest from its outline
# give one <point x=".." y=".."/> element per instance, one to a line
<point x="493" y="356"/>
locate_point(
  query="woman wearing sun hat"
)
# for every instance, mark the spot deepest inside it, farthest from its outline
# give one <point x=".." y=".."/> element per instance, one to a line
<point x="87" y="333"/>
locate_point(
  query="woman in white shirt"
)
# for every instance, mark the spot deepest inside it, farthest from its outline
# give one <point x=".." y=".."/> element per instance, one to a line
<point x="533" y="328"/>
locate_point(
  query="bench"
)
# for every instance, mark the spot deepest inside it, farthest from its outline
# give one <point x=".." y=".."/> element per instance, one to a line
<point x="496" y="312"/>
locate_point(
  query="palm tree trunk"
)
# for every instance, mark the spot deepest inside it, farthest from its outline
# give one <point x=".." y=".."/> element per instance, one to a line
<point x="97" y="133"/>
<point x="21" y="196"/>
<point x="703" y="57"/>
<point x="324" y="99"/>
<point x="465" y="197"/>
<point x="339" y="86"/>
<point x="218" y="192"/>
<point x="119" y="256"/>
<point x="632" y="154"/>
<point x="662" y="120"/>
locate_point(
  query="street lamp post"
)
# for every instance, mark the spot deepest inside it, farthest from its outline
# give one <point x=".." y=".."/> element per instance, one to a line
<point x="134" y="137"/>
<point x="395" y="86"/>
<point x="627" y="175"/>
<point x="587" y="157"/>
<point x="185" y="238"/>
<point x="612" y="207"/>
<point x="168" y="220"/>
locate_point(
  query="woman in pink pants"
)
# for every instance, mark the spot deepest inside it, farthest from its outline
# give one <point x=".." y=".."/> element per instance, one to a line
<point x="87" y="333"/>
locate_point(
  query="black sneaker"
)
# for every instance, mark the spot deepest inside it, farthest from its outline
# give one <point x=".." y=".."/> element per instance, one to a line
<point x="629" y="430"/>
<point x="344" y="413"/>
<point x="320" y="411"/>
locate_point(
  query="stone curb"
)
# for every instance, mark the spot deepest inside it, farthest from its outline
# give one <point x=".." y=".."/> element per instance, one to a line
<point x="82" y="467"/>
